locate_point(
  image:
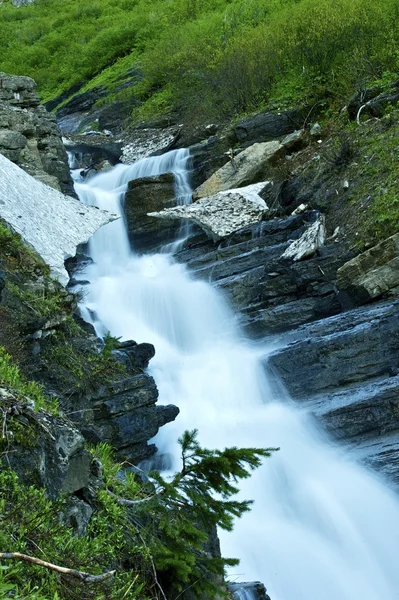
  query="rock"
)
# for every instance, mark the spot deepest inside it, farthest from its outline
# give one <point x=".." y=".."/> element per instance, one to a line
<point x="124" y="414"/>
<point x="250" y="166"/>
<point x="53" y="224"/>
<point x="295" y="141"/>
<point x="18" y="91"/>
<point x="79" y="109"/>
<point x="135" y="356"/>
<point x="19" y="3"/>
<point x="268" y="126"/>
<point x="148" y="142"/>
<point x="145" y="196"/>
<point x="253" y="590"/>
<point x="54" y="456"/>
<point x="29" y="135"/>
<point x="309" y="242"/>
<point x="353" y="347"/>
<point x="370" y="275"/>
<point x="223" y="213"/>
<point x="76" y="514"/>
<point x="11" y="140"/>
<point x="315" y="130"/>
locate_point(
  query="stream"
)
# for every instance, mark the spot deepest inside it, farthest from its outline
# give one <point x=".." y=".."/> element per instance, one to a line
<point x="321" y="527"/>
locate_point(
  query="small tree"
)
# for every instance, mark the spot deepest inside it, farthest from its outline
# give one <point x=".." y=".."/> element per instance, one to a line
<point x="182" y="515"/>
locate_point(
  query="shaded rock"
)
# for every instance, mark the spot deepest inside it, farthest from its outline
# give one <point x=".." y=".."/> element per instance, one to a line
<point x="295" y="141"/>
<point x="135" y="356"/>
<point x="144" y="196"/>
<point x="124" y="414"/>
<point x="357" y="411"/>
<point x="76" y="514"/>
<point x="309" y="242"/>
<point x="250" y="166"/>
<point x="53" y="454"/>
<point x="358" y="345"/>
<point x="53" y="224"/>
<point x="85" y="153"/>
<point x="268" y="126"/>
<point x="372" y="274"/>
<point x="223" y="213"/>
<point x="252" y="590"/>
<point x="11" y="140"/>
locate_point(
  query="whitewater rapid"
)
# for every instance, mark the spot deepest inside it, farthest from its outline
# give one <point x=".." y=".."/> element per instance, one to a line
<point x="321" y="527"/>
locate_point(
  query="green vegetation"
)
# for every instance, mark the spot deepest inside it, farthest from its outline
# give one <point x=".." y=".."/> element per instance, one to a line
<point x="11" y="377"/>
<point x="223" y="57"/>
<point x="153" y="534"/>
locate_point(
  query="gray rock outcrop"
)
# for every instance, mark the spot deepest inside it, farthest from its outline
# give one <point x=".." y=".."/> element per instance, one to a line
<point x="249" y="166"/>
<point x="310" y="241"/>
<point x="50" y="450"/>
<point x="372" y="274"/>
<point x="268" y="126"/>
<point x="223" y="213"/>
<point x="29" y="135"/>
<point x="144" y="196"/>
<point x="52" y="223"/>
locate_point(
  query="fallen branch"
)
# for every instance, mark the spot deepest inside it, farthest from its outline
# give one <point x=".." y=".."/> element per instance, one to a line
<point x="126" y="502"/>
<point x="85" y="577"/>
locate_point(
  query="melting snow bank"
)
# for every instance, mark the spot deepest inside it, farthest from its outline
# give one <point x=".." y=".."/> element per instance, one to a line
<point x="52" y="223"/>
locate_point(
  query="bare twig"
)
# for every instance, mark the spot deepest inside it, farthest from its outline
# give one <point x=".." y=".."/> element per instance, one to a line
<point x="85" y="577"/>
<point x="126" y="502"/>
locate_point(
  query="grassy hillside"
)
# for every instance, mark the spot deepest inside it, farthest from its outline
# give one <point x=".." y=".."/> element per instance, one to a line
<point x="204" y="57"/>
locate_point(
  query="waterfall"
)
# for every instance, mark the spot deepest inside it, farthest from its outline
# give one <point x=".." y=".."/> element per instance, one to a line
<point x="322" y="527"/>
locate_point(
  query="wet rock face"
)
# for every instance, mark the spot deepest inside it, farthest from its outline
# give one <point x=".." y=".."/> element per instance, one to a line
<point x="345" y="370"/>
<point x="272" y="293"/>
<point x="252" y="590"/>
<point x="29" y="135"/>
<point x="150" y="194"/>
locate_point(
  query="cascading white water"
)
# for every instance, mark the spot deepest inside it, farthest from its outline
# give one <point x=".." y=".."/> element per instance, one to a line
<point x="322" y="527"/>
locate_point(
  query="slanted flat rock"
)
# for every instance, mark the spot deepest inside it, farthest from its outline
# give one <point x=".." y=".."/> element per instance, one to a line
<point x="312" y="239"/>
<point x="52" y="223"/>
<point x="247" y="167"/>
<point x="373" y="273"/>
<point x="223" y="213"/>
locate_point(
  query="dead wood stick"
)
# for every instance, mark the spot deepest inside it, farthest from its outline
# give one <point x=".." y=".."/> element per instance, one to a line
<point x="85" y="577"/>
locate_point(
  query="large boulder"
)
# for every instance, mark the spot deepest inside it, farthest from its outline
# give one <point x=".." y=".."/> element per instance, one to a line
<point x="372" y="274"/>
<point x="29" y="135"/>
<point x="268" y="126"/>
<point x="52" y="223"/>
<point x="149" y="195"/>
<point x="223" y="213"/>
<point x="250" y="166"/>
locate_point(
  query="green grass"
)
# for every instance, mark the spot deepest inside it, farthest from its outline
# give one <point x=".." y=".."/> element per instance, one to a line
<point x="209" y="58"/>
